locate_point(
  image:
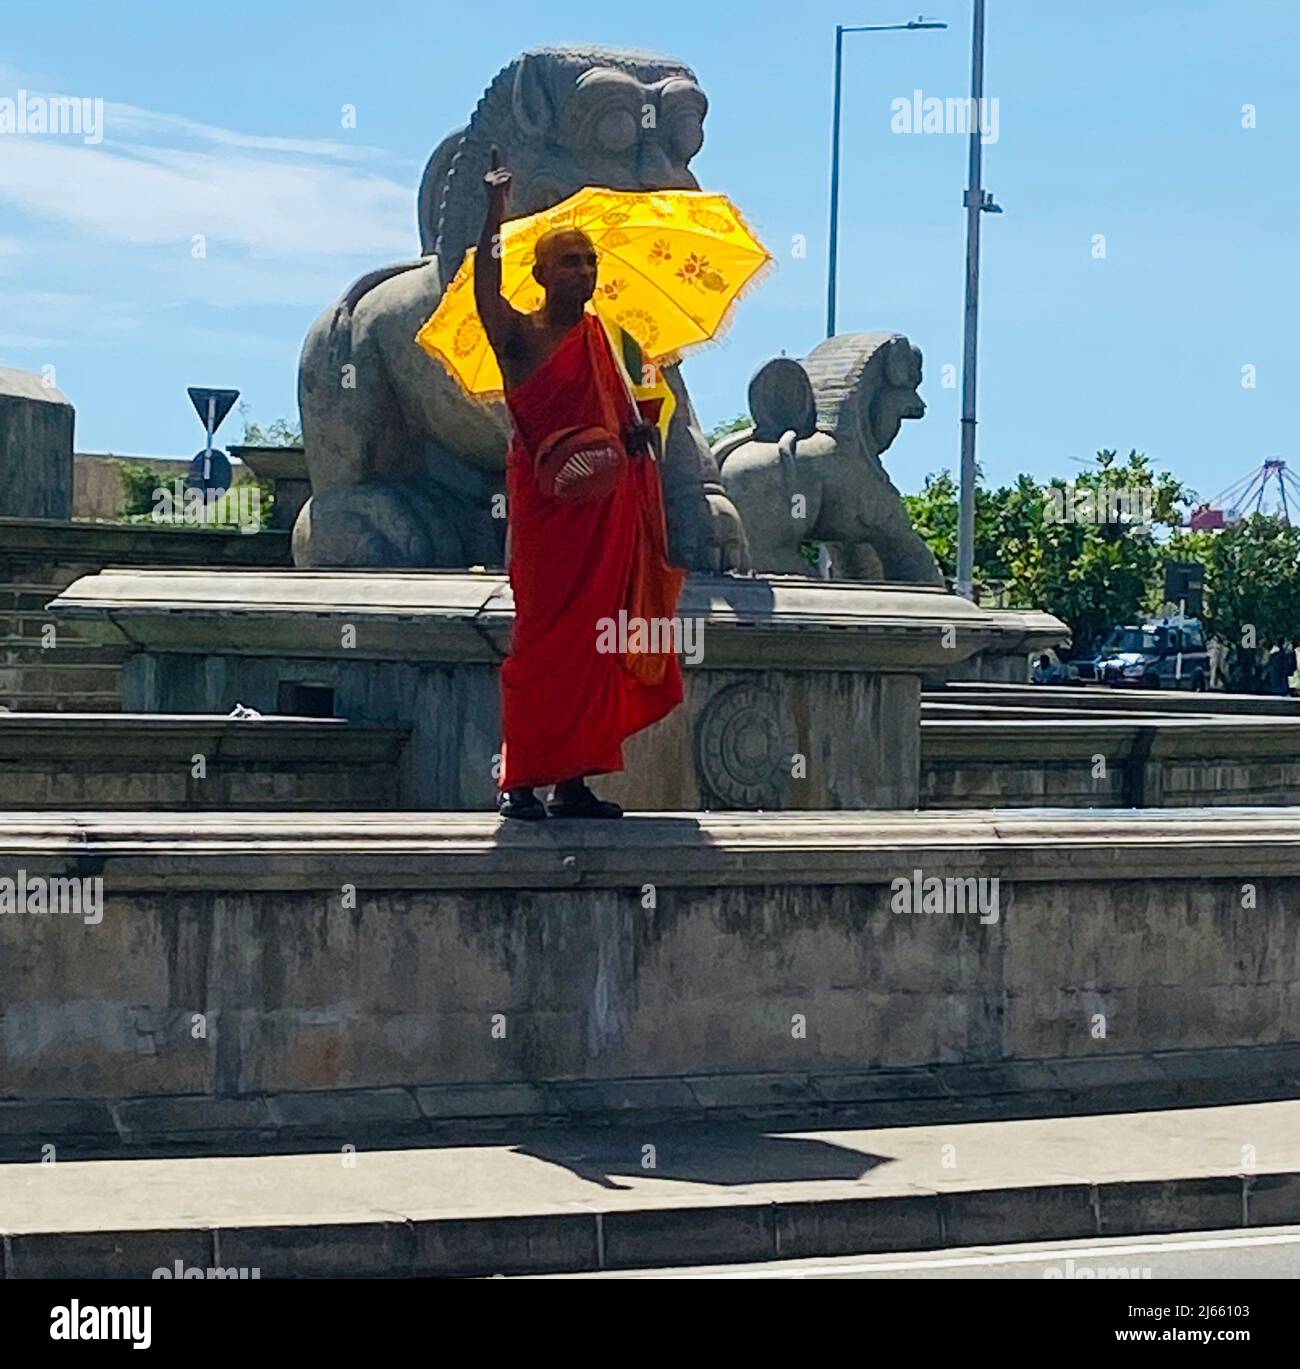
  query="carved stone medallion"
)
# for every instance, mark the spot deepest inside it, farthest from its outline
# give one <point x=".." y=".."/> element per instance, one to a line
<point x="744" y="744"/>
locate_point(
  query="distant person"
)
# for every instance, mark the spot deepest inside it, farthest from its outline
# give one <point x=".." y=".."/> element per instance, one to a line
<point x="1047" y="671"/>
<point x="1245" y="676"/>
<point x="1279" y="668"/>
<point x="1218" y="653"/>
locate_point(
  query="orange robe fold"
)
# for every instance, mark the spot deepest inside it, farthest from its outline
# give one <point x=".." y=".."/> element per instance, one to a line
<point x="567" y="706"/>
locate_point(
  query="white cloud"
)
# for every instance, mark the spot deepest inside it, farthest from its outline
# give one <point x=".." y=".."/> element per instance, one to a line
<point x="267" y="206"/>
<point x="53" y="316"/>
<point x="97" y="245"/>
<point x="127" y="123"/>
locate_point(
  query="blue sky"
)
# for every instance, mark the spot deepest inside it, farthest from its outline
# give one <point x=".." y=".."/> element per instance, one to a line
<point x="1116" y="117"/>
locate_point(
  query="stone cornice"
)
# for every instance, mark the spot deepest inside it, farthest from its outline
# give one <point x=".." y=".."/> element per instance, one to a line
<point x="465" y="616"/>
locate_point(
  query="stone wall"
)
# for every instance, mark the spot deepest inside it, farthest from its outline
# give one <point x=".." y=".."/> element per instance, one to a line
<point x="36" y="429"/>
<point x="98" y="493"/>
<point x="801" y="694"/>
<point x="647" y="950"/>
<point x="46" y="665"/>
<point x="733" y="744"/>
<point x="980" y="757"/>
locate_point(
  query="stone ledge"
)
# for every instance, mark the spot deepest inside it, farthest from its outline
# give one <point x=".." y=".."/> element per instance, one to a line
<point x="118" y="739"/>
<point x="216" y="850"/>
<point x="1106" y="699"/>
<point x="465" y="616"/>
<point x="908" y="1096"/>
<point x="1206" y="739"/>
<point x="72" y="542"/>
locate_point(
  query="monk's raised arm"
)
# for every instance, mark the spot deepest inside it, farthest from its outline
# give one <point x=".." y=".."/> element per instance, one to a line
<point x="500" y="320"/>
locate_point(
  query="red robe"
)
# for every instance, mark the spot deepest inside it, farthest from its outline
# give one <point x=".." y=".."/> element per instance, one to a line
<point x="567" y="707"/>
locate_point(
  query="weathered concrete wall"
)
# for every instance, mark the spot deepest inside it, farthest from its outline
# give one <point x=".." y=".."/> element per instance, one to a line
<point x="771" y="945"/>
<point x="133" y="762"/>
<point x="97" y="482"/>
<point x="1080" y="783"/>
<point x="974" y="757"/>
<point x="785" y="738"/>
<point x="804" y="694"/>
<point x="36" y="425"/>
<point x="47" y="665"/>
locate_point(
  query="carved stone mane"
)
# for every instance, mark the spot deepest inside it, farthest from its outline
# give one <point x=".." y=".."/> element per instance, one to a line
<point x="848" y="372"/>
<point x="515" y="112"/>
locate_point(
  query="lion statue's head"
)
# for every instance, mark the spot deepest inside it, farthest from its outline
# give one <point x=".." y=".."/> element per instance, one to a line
<point x="563" y="118"/>
<point x="857" y="388"/>
<point x="866" y="385"/>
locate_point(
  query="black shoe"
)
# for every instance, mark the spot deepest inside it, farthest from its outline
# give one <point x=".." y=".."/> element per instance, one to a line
<point x="582" y="803"/>
<point x="521" y="803"/>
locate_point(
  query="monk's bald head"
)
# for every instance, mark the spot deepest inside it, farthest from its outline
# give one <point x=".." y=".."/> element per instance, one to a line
<point x="565" y="264"/>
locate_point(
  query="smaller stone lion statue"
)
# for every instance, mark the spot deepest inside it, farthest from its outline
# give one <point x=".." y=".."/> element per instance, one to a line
<point x="809" y="469"/>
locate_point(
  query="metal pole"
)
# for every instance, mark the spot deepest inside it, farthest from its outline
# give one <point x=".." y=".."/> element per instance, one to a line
<point x="210" y="425"/>
<point x="974" y="202"/>
<point x="835" y="184"/>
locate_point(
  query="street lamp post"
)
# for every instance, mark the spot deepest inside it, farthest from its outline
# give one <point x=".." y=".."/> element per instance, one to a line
<point x="840" y="31"/>
<point x="977" y="202"/>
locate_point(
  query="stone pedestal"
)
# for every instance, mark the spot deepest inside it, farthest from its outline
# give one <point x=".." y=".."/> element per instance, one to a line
<point x="36" y="424"/>
<point x="286" y="469"/>
<point x="806" y="694"/>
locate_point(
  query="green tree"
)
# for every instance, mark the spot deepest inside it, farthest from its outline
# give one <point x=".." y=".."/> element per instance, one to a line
<point x="278" y="433"/>
<point x="1054" y="546"/>
<point x="1252" y="579"/>
<point x="728" y="425"/>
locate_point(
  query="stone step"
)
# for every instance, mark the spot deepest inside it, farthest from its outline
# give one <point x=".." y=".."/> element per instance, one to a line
<point x="979" y="756"/>
<point x="56" y="676"/>
<point x="70" y="651"/>
<point x="22" y="627"/>
<point x="107" y="703"/>
<point x="113" y="760"/>
<point x="584" y="1199"/>
<point x="1104" y="698"/>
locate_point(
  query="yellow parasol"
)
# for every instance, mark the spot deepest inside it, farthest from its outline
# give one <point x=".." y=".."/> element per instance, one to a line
<point x="672" y="264"/>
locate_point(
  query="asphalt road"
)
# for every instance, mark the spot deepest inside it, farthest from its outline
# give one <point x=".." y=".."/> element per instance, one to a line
<point x="1267" y="1253"/>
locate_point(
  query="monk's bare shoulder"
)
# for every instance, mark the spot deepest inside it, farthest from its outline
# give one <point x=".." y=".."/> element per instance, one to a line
<point x="529" y="347"/>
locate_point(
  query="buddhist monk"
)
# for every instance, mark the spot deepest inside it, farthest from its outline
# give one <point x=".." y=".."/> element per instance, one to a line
<point x="567" y="705"/>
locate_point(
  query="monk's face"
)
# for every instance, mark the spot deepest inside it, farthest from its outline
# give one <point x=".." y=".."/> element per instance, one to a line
<point x="566" y="267"/>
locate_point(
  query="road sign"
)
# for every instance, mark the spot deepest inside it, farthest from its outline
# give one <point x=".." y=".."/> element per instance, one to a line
<point x="210" y="470"/>
<point x="1185" y="585"/>
<point x="212" y="405"/>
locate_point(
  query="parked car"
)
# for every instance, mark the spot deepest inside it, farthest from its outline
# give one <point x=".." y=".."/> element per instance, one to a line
<point x="1160" y="653"/>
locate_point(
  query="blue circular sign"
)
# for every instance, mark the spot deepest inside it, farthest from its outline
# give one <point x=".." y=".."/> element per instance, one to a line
<point x="210" y="471"/>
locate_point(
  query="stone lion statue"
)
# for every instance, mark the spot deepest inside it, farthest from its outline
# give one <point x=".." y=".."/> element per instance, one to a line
<point x="809" y="469"/>
<point x="404" y="466"/>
